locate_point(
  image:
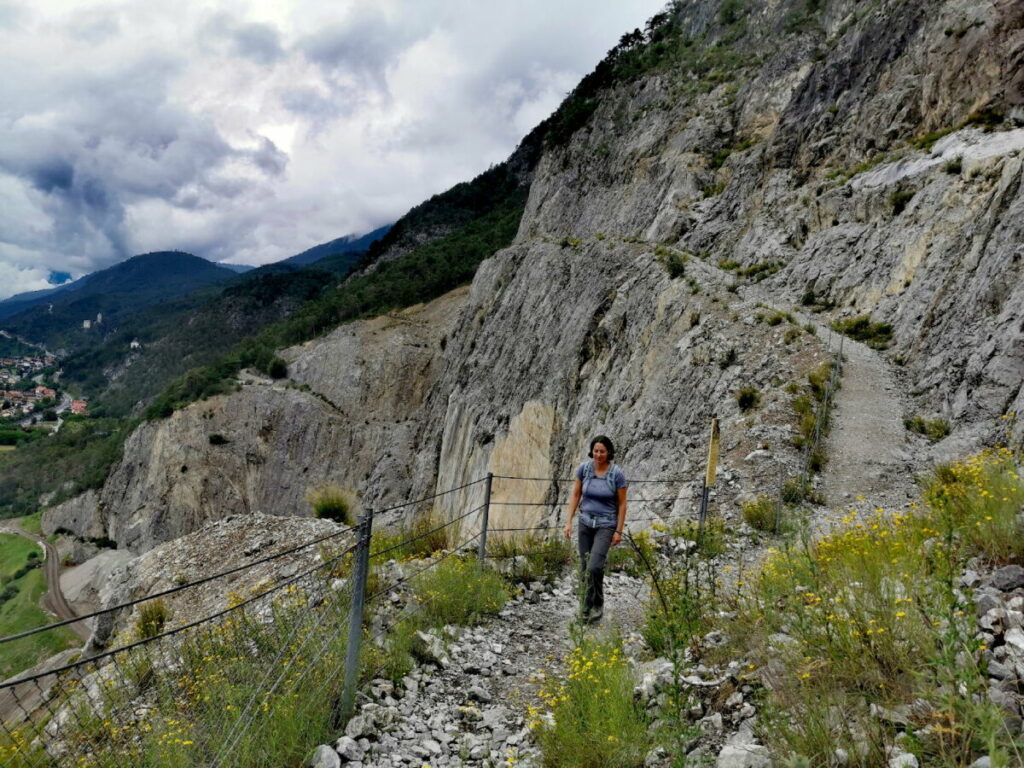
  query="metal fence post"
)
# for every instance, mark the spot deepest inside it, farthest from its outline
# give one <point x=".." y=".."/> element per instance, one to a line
<point x="355" y="617"/>
<point x="482" y="552"/>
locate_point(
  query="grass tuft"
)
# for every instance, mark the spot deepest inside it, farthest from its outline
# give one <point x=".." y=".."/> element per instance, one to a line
<point x="589" y="717"/>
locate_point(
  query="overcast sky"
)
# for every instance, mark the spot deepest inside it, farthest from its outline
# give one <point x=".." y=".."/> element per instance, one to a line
<point x="249" y="131"/>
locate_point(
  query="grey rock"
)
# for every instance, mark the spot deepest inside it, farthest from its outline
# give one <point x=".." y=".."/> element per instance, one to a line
<point x="903" y="760"/>
<point x="985" y="602"/>
<point x="896" y="716"/>
<point x="478" y="693"/>
<point x="324" y="757"/>
<point x="712" y="724"/>
<point x="1008" y="578"/>
<point x="1000" y="671"/>
<point x="349" y="749"/>
<point x="982" y="762"/>
<point x="1014" y="639"/>
<point x="359" y="726"/>
<point x="743" y="756"/>
<point x="970" y="579"/>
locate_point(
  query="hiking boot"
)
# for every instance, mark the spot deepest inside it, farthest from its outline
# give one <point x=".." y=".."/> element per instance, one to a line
<point x="595" y="615"/>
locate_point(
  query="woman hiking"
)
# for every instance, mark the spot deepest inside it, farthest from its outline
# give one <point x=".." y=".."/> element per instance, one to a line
<point x="600" y="496"/>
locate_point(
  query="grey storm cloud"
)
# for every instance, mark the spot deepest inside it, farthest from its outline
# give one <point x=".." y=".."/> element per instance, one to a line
<point x="255" y="41"/>
<point x="250" y="133"/>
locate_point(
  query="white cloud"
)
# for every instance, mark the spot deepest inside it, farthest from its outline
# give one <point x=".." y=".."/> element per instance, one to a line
<point x="250" y="131"/>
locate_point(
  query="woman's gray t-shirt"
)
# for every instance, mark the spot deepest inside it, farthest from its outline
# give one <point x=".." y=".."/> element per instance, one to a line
<point x="599" y="507"/>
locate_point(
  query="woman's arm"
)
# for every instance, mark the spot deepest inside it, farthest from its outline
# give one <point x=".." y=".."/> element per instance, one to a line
<point x="574" y="502"/>
<point x="617" y="536"/>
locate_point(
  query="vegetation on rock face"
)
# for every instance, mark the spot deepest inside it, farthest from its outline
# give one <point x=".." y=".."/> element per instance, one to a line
<point x="860" y="328"/>
<point x="332" y="503"/>
<point x="933" y="429"/>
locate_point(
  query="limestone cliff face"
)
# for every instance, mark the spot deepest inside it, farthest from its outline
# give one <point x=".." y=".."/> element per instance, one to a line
<point x="806" y="156"/>
<point x="263" y="448"/>
<point x="805" y="147"/>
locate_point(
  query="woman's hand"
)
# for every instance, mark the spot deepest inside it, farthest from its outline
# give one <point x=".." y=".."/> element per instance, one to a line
<point x="616" y="539"/>
<point x="568" y="530"/>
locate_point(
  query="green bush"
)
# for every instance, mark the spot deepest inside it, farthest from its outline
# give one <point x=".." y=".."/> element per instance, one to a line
<point x="674" y="262"/>
<point x="151" y="619"/>
<point x="634" y="556"/>
<point x="899" y="200"/>
<point x="531" y="558"/>
<point x="748" y="398"/>
<point x="424" y="537"/>
<point x="679" y="609"/>
<point x="933" y="429"/>
<point x="710" y="543"/>
<point x="590" y="717"/>
<point x="459" y="591"/>
<point x="728" y="358"/>
<point x="860" y="328"/>
<point x="761" y="514"/>
<point x="277" y="369"/>
<point x="794" y="490"/>
<point x="332" y="503"/>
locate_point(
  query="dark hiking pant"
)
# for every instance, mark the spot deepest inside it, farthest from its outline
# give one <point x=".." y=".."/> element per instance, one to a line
<point x="593" y="544"/>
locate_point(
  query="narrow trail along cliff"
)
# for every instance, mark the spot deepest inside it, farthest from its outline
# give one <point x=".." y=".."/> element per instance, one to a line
<point x="867" y="446"/>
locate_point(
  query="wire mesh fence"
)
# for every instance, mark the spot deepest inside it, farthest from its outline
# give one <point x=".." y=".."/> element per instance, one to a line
<point x="274" y="671"/>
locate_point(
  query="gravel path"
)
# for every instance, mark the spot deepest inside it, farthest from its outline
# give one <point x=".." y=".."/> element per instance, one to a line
<point x="868" y="451"/>
<point x="469" y="708"/>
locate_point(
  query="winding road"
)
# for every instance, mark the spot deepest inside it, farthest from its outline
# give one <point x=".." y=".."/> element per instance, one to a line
<point x="53" y="601"/>
<point x="15" y="702"/>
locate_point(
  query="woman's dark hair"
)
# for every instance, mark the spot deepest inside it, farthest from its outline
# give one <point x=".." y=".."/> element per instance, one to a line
<point x="606" y="442"/>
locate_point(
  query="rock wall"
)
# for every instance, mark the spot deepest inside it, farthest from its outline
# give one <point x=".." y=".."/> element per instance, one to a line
<point x="803" y="145"/>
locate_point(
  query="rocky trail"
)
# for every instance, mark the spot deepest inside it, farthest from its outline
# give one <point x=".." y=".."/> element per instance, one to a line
<point x="867" y="447"/>
<point x="467" y="704"/>
<point x="871" y="462"/>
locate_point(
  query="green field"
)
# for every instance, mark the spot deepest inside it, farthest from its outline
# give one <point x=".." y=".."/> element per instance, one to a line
<point x="22" y="611"/>
<point x="14" y="551"/>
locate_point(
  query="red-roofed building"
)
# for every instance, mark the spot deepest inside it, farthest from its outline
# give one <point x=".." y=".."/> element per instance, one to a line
<point x="45" y="392"/>
<point x="79" y="406"/>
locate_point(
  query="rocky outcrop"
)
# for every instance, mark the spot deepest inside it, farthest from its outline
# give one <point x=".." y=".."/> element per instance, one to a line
<point x="805" y="156"/>
<point x="275" y="444"/>
<point x="798" y="146"/>
<point x="237" y="540"/>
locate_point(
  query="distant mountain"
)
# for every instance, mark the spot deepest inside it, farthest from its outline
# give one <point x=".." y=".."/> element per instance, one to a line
<point x="238" y="268"/>
<point x="97" y="303"/>
<point x="349" y="244"/>
<point x="58" y="278"/>
<point x="22" y="301"/>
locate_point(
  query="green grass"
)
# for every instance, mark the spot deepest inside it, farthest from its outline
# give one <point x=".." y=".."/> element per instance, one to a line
<point x="761" y="514"/>
<point x="33" y="523"/>
<point x="589" y="718"/>
<point x="933" y="429"/>
<point x="872" y="619"/>
<point x="14" y="552"/>
<point x="459" y="591"/>
<point x="22" y="613"/>
<point x="860" y="328"/>
<point x="531" y="558"/>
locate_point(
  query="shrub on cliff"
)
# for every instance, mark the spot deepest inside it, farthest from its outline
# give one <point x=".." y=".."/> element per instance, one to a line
<point x="332" y="502"/>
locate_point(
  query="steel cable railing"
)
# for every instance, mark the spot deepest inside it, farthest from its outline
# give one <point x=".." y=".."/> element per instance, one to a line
<point x="76" y="691"/>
